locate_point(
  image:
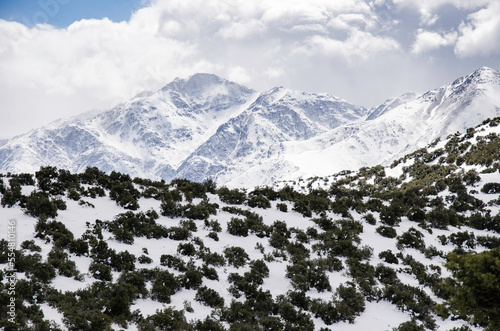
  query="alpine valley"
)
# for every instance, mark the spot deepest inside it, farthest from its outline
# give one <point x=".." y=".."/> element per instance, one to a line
<point x="206" y="127"/>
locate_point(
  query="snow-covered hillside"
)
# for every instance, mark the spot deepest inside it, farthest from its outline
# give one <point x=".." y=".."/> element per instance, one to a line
<point x="207" y="127"/>
<point x="402" y="126"/>
<point x="356" y="251"/>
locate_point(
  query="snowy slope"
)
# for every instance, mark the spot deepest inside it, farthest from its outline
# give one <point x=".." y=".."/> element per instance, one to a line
<point x="380" y="311"/>
<point x="398" y="130"/>
<point x="247" y="150"/>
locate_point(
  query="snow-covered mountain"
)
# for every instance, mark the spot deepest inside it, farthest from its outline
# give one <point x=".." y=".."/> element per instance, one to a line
<point x="149" y="135"/>
<point x="401" y="126"/>
<point x="248" y="149"/>
<point x="208" y="127"/>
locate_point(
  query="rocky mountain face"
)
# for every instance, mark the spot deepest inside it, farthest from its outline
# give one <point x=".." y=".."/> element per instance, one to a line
<point x="249" y="147"/>
<point x="208" y="127"/>
<point x="149" y="135"/>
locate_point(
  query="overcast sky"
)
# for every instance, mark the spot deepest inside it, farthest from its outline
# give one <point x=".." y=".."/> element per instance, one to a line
<point x="59" y="58"/>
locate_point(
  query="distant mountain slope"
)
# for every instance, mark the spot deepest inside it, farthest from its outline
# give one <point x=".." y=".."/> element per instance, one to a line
<point x="248" y="148"/>
<point x="207" y="127"/>
<point x="402" y="129"/>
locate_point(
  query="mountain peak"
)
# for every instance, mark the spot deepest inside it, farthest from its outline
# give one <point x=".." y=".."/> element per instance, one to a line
<point x="484" y="69"/>
<point x="201" y="83"/>
<point x="483" y="75"/>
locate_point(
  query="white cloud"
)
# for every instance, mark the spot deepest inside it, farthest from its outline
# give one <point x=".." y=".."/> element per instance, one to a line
<point x="242" y="30"/>
<point x="427" y="8"/>
<point x="359" y="45"/>
<point x="477" y="35"/>
<point x="348" y="21"/>
<point x="427" y="41"/>
<point x="274" y="72"/>
<point x="239" y="75"/>
<point x="481" y="34"/>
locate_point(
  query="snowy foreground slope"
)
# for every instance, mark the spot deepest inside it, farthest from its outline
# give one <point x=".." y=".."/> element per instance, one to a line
<point x="207" y="127"/>
<point x="355" y="251"/>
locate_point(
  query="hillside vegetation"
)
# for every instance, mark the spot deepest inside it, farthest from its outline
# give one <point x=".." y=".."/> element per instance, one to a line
<point x="414" y="246"/>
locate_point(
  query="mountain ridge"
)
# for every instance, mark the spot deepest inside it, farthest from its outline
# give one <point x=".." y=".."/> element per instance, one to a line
<point x="206" y="127"/>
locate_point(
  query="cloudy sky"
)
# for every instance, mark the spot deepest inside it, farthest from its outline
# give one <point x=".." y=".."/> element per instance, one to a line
<point x="59" y="58"/>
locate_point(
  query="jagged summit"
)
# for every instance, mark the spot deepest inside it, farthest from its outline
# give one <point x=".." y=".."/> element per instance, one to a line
<point x="202" y="84"/>
<point x="202" y="92"/>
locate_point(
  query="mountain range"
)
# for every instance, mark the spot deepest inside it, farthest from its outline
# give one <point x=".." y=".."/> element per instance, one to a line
<point x="206" y="127"/>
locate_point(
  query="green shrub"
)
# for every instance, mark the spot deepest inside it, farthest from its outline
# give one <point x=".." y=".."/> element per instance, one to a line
<point x="488" y="241"/>
<point x="30" y="245"/>
<point x="350" y="302"/>
<point x="73" y="194"/>
<point x="168" y="319"/>
<point x="283" y="207"/>
<point x="386" y="275"/>
<point x="12" y="195"/>
<point x="61" y="236"/>
<point x="213" y="235"/>
<point x="214" y="225"/>
<point x="59" y="259"/>
<point x="209" y="297"/>
<point x="79" y="247"/>
<point x="302" y="206"/>
<point x="124" y="193"/>
<point x="164" y="286"/>
<point x="39" y="205"/>
<point x="460" y="239"/>
<point x="279" y="235"/>
<point x="123" y="261"/>
<point x="440" y="218"/>
<point x="209" y="273"/>
<point x="259" y="201"/>
<point x="363" y="274"/>
<point x="410" y="326"/>
<point x="173" y="262"/>
<point x="233" y="197"/>
<point x="370" y="219"/>
<point x="236" y="256"/>
<point x="143" y="259"/>
<point x="388" y="257"/>
<point x="192" y="279"/>
<point x="189" y="224"/>
<point x="214" y="259"/>
<point x="186" y="249"/>
<point x="100" y="271"/>
<point x="411" y="239"/>
<point x="491" y="188"/>
<point x="387" y="231"/>
<point x="237" y="227"/>
<point x="178" y="233"/>
<point x="208" y="324"/>
<point x="475" y="287"/>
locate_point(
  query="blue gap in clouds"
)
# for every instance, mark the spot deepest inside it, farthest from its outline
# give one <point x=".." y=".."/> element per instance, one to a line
<point x="62" y="13"/>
